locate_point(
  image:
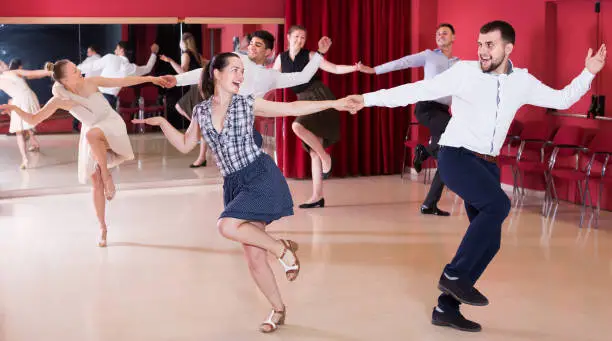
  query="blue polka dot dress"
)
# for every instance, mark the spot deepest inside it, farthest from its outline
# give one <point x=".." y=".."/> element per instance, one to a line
<point x="254" y="189"/>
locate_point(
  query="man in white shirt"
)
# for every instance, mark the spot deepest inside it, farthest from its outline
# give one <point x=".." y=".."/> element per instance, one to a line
<point x="258" y="80"/>
<point x="485" y="97"/>
<point x="92" y="56"/>
<point x="432" y="114"/>
<point x="117" y="65"/>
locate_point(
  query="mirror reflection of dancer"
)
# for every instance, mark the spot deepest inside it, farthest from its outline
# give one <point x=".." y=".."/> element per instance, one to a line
<point x="190" y="60"/>
<point x="486" y="96"/>
<point x="117" y="65"/>
<point x="12" y="81"/>
<point x="104" y="142"/>
<point x="255" y="193"/>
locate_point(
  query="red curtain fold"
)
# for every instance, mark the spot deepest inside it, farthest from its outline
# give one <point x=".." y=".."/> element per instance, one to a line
<point x="370" y="31"/>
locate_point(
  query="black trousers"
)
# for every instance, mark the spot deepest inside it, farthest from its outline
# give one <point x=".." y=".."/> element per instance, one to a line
<point x="434" y="116"/>
<point x="476" y="181"/>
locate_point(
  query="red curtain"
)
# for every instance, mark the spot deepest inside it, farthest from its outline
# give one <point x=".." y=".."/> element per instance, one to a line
<point x="371" y="31"/>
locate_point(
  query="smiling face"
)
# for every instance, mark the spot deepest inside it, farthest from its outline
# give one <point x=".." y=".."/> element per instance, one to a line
<point x="493" y="52"/>
<point x="257" y="50"/>
<point x="444" y="37"/>
<point x="230" y="78"/>
<point x="296" y="39"/>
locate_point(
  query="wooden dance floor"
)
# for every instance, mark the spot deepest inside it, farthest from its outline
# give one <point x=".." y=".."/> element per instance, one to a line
<point x="370" y="264"/>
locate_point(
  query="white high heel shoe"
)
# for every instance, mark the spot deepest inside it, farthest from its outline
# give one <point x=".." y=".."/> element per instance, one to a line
<point x="271" y="324"/>
<point x="291" y="271"/>
<point x="102" y="237"/>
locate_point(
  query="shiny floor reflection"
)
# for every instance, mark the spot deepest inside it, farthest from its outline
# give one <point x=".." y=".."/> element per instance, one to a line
<point x="370" y="266"/>
<point x="56" y="165"/>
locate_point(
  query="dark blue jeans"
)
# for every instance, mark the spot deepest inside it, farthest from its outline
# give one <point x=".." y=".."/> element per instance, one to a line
<point x="477" y="182"/>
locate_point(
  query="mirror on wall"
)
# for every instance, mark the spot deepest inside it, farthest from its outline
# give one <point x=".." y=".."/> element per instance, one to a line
<point x="54" y="165"/>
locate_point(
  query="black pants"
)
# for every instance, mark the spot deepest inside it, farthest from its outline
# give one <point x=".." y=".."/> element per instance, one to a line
<point x="476" y="181"/>
<point x="434" y="116"/>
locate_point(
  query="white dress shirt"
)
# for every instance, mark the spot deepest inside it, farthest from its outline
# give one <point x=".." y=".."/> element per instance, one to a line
<point x="483" y="104"/>
<point x="433" y="62"/>
<point x="91" y="59"/>
<point x="113" y="66"/>
<point x="258" y="79"/>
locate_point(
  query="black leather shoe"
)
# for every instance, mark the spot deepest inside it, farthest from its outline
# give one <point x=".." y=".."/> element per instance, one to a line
<point x="320" y="203"/>
<point x="454" y="320"/>
<point x="462" y="291"/>
<point x="420" y="155"/>
<point x="434" y="210"/>
<point x="203" y="164"/>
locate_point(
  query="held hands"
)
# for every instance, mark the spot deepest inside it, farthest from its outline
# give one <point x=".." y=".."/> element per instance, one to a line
<point x="352" y="104"/>
<point x="170" y="80"/>
<point x="324" y="44"/>
<point x="365" y="68"/>
<point x="594" y="63"/>
<point x="161" y="81"/>
<point x="152" y="121"/>
<point x="355" y="102"/>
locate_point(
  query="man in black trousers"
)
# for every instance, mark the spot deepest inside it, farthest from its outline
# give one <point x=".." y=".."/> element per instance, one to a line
<point x="433" y="114"/>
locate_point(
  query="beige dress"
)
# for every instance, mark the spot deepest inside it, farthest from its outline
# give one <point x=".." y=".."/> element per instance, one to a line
<point x="22" y="96"/>
<point x="96" y="112"/>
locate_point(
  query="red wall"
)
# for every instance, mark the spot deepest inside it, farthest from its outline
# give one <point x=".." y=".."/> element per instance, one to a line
<point x="144" y="8"/>
<point x="573" y="43"/>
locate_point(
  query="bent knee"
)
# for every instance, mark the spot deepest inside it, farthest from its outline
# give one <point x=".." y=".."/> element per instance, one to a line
<point x="297" y="127"/>
<point x="94" y="134"/>
<point x="227" y="228"/>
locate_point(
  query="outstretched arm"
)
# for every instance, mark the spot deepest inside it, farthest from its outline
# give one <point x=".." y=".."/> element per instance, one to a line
<point x="88" y="66"/>
<point x="413" y="60"/>
<point x="126" y="81"/>
<point x="49" y="109"/>
<point x="445" y="84"/>
<point x="544" y="96"/>
<point x="183" y="142"/>
<point x="188" y="78"/>
<point x="184" y="67"/>
<point x="298" y="108"/>
<point x="335" y="69"/>
<point x="32" y="74"/>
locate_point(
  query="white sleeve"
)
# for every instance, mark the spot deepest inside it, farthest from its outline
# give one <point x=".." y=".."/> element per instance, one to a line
<point x="543" y="96"/>
<point x="94" y="65"/>
<point x="189" y="78"/>
<point x="444" y="84"/>
<point x="413" y="60"/>
<point x="131" y="69"/>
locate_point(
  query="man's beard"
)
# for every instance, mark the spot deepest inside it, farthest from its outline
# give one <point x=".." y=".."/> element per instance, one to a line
<point x="493" y="66"/>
